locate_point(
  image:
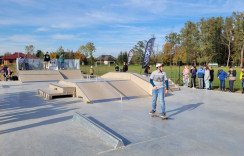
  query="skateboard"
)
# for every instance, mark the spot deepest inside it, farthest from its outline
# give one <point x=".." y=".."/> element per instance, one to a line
<point x="159" y="115"/>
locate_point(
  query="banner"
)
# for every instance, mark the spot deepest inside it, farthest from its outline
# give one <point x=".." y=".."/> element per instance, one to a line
<point x="148" y="52"/>
<point x="130" y="54"/>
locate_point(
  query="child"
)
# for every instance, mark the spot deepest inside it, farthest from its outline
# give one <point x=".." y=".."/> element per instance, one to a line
<point x="206" y="77"/>
<point x="222" y="75"/>
<point x="242" y="79"/>
<point x="193" y="76"/>
<point x="186" y="76"/>
<point x="232" y="78"/>
<point x="211" y="77"/>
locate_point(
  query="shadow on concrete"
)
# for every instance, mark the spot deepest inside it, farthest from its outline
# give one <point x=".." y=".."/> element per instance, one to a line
<point x="126" y="141"/>
<point x="46" y="122"/>
<point x="184" y="108"/>
<point x="23" y="106"/>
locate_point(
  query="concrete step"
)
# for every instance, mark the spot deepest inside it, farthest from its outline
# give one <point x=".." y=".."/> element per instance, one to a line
<point x="50" y="93"/>
<point x="62" y="88"/>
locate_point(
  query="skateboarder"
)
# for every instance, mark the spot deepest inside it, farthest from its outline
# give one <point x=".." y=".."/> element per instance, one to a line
<point x="46" y="60"/>
<point x="157" y="79"/>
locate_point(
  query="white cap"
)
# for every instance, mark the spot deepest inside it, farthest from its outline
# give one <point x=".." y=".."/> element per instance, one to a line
<point x="158" y="65"/>
<point x="91" y="67"/>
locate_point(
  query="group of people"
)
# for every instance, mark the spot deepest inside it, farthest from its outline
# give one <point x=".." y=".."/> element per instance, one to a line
<point x="125" y="67"/>
<point x="47" y="60"/>
<point x="206" y="77"/>
<point x="23" y="63"/>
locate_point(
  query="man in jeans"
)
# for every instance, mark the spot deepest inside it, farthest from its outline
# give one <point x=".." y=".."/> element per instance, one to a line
<point x="200" y="74"/>
<point x="157" y="79"/>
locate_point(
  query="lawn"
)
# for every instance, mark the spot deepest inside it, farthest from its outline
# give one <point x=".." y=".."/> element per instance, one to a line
<point x="172" y="73"/>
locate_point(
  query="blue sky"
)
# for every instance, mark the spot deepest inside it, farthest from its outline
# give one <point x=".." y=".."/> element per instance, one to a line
<point x="112" y="25"/>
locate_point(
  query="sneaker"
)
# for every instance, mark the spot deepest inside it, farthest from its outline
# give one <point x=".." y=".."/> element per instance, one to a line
<point x="163" y="116"/>
<point x="152" y="112"/>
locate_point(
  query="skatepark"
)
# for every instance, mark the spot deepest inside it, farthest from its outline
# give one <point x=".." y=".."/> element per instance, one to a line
<point x="108" y="115"/>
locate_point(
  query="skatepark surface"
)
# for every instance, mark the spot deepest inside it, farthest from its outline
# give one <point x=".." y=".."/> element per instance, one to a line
<point x="200" y="123"/>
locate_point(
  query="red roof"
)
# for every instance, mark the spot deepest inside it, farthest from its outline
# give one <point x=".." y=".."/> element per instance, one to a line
<point x="17" y="55"/>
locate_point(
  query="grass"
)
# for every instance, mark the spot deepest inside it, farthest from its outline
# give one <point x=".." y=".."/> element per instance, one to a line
<point x="172" y="73"/>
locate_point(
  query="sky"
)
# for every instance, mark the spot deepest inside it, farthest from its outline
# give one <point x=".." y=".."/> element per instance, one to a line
<point x="112" y="25"/>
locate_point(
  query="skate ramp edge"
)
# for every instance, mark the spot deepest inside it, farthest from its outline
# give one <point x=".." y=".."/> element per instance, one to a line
<point x="98" y="130"/>
<point x="39" y="76"/>
<point x="71" y="74"/>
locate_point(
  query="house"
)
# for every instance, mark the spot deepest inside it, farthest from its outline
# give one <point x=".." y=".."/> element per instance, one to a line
<point x="106" y="59"/>
<point x="11" y="59"/>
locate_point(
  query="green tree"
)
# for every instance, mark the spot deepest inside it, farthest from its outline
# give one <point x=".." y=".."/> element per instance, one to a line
<point x="173" y="39"/>
<point x="139" y="49"/>
<point x="39" y="54"/>
<point x="29" y="49"/>
<point x="90" y="49"/>
<point x="60" y="51"/>
<point x="83" y="50"/>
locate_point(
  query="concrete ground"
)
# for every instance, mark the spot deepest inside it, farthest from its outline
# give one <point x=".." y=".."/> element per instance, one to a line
<point x="201" y="123"/>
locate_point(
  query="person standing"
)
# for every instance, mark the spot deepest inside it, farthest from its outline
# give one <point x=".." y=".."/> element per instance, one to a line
<point x="46" y="60"/>
<point x="147" y="70"/>
<point x="117" y="68"/>
<point x="211" y="77"/>
<point x="21" y="61"/>
<point x="200" y="74"/>
<point x="193" y="76"/>
<point x="158" y="78"/>
<point x="91" y="70"/>
<point x="242" y="79"/>
<point x="232" y="78"/>
<point x="222" y="75"/>
<point x="61" y="59"/>
<point x="206" y="77"/>
<point x="186" y="76"/>
<point x="125" y="67"/>
<point x="26" y="63"/>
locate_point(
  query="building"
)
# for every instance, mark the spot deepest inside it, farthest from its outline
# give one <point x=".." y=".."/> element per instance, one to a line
<point x="11" y="59"/>
<point x="106" y="59"/>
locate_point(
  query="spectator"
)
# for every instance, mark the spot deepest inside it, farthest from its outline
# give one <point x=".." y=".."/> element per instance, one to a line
<point x="222" y="75"/>
<point x="200" y="74"/>
<point x="26" y="63"/>
<point x="117" y="68"/>
<point x="91" y="70"/>
<point x="61" y="59"/>
<point x="46" y="61"/>
<point x="21" y="61"/>
<point x="211" y="77"/>
<point x="147" y="70"/>
<point x="206" y="77"/>
<point x="125" y="67"/>
<point x="232" y="78"/>
<point x="186" y="76"/>
<point x="242" y="79"/>
<point x="193" y="76"/>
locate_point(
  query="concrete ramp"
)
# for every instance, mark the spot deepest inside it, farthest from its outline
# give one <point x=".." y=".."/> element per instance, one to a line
<point x="71" y="74"/>
<point x="39" y="75"/>
<point x="129" y="88"/>
<point x="98" y="91"/>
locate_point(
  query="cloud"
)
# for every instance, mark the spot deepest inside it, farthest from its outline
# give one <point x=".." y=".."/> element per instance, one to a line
<point x="64" y="37"/>
<point x="42" y="29"/>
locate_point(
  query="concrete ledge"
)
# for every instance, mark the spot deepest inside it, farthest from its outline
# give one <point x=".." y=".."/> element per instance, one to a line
<point x="99" y="131"/>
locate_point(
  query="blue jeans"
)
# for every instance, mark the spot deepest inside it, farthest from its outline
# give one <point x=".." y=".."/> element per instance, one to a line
<point x="222" y="84"/>
<point x="207" y="84"/>
<point x="146" y="74"/>
<point x="160" y="95"/>
<point x="62" y="65"/>
<point x="186" y="81"/>
<point x="211" y="84"/>
<point x="242" y="84"/>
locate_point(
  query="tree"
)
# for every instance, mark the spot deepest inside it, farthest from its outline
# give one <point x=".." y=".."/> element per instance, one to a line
<point x="83" y="50"/>
<point x="173" y="39"/>
<point x="239" y="35"/>
<point x="122" y="57"/>
<point x="90" y="49"/>
<point x="39" y="54"/>
<point x="53" y="55"/>
<point x="29" y="49"/>
<point x="69" y="54"/>
<point x="79" y="56"/>
<point x="7" y="54"/>
<point x="60" y="51"/>
<point x="139" y="49"/>
<point x="228" y="35"/>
